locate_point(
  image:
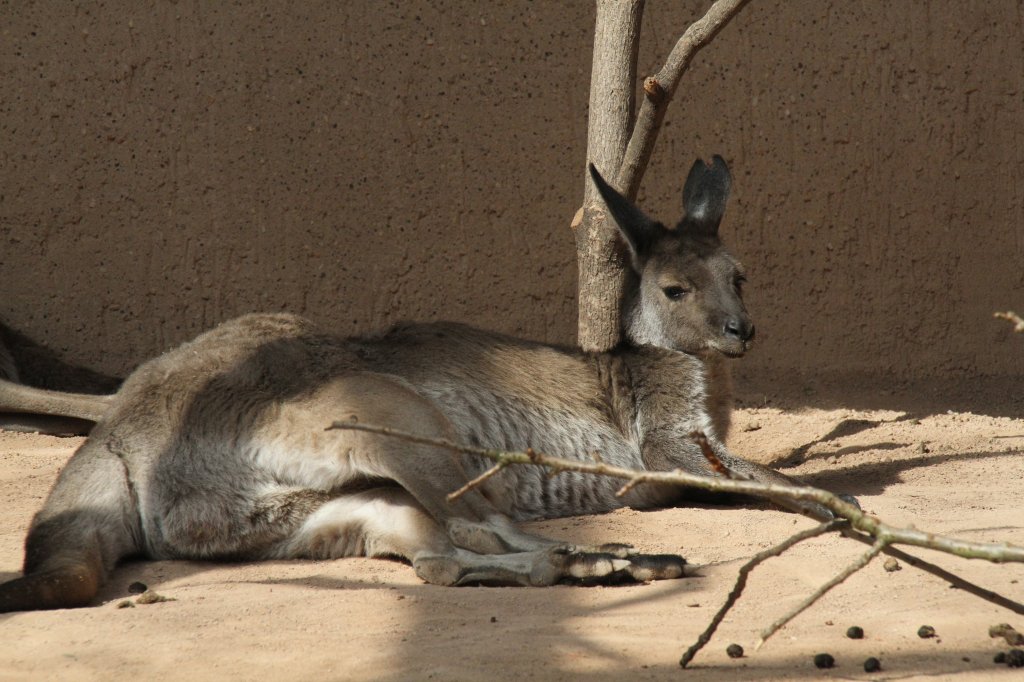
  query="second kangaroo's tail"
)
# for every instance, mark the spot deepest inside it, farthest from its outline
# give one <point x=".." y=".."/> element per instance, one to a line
<point x="29" y="400"/>
<point x="89" y="522"/>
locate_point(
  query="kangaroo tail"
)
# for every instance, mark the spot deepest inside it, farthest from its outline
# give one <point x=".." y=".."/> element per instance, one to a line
<point x="26" y="399"/>
<point x="88" y="523"/>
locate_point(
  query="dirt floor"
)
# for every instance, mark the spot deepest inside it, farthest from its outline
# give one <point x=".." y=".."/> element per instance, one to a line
<point x="914" y="462"/>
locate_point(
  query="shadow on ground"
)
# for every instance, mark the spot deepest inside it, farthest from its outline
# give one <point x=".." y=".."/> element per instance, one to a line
<point x="999" y="396"/>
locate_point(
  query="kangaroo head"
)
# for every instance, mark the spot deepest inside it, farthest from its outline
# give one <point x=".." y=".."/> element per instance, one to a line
<point x="686" y="292"/>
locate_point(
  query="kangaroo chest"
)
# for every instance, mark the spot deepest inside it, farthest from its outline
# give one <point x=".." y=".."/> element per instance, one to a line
<point x="508" y="394"/>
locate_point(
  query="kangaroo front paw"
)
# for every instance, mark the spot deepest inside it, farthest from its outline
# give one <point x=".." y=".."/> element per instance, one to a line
<point x="822" y="513"/>
<point x="850" y="499"/>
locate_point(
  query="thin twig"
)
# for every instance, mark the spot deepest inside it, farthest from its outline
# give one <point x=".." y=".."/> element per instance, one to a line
<point x="741" y="582"/>
<point x="629" y="486"/>
<point x="920" y="564"/>
<point x="942" y="574"/>
<point x="476" y="481"/>
<point x="911" y="560"/>
<point x="862" y="561"/>
<point x="1009" y="315"/>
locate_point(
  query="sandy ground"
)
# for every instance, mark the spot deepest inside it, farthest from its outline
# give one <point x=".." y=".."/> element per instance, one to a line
<point x="954" y="472"/>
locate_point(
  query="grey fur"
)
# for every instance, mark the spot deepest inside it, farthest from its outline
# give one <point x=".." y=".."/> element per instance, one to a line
<point x="58" y="413"/>
<point x="33" y="408"/>
<point x="218" y="449"/>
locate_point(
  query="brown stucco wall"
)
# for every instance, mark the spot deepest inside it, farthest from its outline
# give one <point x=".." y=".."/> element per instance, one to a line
<point x="165" y="166"/>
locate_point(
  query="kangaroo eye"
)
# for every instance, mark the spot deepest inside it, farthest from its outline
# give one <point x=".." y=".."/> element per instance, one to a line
<point x="739" y="282"/>
<point x="674" y="293"/>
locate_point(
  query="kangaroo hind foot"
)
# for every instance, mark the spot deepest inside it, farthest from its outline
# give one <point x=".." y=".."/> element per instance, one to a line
<point x="539" y="568"/>
<point x="389" y="522"/>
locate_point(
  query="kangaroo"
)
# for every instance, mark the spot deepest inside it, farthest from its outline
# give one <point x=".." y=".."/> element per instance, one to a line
<point x="218" y="449"/>
<point x="58" y="413"/>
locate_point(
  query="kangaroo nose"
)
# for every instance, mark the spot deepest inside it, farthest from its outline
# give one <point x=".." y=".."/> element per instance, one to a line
<point x="740" y="329"/>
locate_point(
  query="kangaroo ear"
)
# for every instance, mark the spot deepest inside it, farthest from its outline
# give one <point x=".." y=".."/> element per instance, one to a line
<point x="639" y="231"/>
<point x="705" y="194"/>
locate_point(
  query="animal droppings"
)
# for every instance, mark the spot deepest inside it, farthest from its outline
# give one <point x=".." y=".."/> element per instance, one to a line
<point x="824" y="661"/>
<point x="1007" y="632"/>
<point x="734" y="651"/>
<point x="872" y="665"/>
<point x="891" y="565"/>
<point x="1015" y="658"/>
<point x="855" y="632"/>
<point x="151" y="597"/>
<point x="137" y="588"/>
<point x="926" y="632"/>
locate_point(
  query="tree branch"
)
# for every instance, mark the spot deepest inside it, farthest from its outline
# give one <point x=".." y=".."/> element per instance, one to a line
<point x="660" y="88"/>
<point x="850" y="519"/>
<point x="941" y="573"/>
<point x="479" y="480"/>
<point x="1009" y="315"/>
<point x="741" y="582"/>
<point x="860" y="563"/>
<point x="859" y="520"/>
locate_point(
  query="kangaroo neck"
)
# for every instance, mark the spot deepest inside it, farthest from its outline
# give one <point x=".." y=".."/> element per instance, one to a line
<point x="651" y="373"/>
<point x="719" y="392"/>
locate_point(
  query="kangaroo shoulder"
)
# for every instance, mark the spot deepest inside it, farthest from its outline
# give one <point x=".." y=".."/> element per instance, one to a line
<point x="614" y="376"/>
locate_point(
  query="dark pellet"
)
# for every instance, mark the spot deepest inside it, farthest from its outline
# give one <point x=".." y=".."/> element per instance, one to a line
<point x="824" y="661"/>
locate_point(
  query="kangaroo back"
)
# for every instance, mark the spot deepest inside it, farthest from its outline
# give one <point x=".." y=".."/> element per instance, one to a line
<point x="88" y="524"/>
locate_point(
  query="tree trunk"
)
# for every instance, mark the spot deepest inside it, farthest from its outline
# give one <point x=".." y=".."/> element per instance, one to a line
<point x="612" y="87"/>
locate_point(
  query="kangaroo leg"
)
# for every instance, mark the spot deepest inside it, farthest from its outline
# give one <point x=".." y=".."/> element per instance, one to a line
<point x="385" y="522"/>
<point x="87" y="524"/>
<point x="427" y="472"/>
